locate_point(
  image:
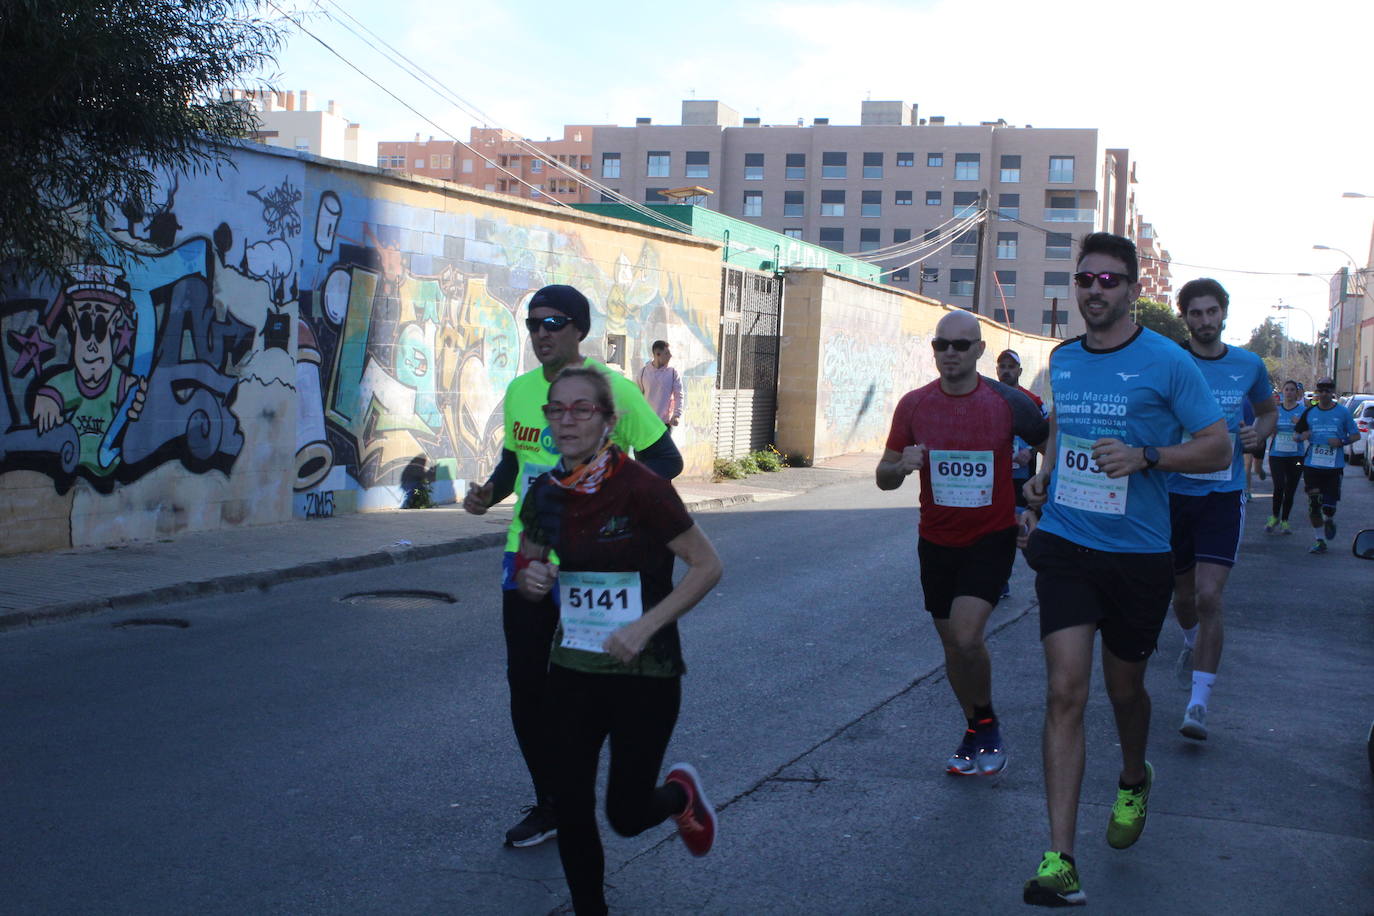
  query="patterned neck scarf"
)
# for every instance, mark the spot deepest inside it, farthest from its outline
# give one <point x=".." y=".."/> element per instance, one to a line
<point x="590" y="475"/>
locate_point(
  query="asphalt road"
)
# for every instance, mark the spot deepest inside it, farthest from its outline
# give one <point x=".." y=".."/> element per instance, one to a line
<point x="291" y="752"/>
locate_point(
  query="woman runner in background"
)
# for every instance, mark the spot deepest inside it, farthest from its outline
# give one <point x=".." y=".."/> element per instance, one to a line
<point x="616" y="665"/>
<point x="1284" y="457"/>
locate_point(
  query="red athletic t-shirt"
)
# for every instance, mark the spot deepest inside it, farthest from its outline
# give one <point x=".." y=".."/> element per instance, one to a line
<point x="966" y="485"/>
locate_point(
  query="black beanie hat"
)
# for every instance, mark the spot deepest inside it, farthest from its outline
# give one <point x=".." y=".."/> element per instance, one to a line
<point x="569" y="301"/>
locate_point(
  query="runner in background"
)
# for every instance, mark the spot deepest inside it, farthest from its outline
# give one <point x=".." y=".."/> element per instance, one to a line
<point x="1285" y="457"/>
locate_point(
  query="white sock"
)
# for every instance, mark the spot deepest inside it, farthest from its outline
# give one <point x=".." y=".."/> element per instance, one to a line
<point x="1202" y="688"/>
<point x="1189" y="635"/>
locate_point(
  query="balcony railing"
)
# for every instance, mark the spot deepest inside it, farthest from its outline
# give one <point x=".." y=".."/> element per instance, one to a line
<point x="1059" y="215"/>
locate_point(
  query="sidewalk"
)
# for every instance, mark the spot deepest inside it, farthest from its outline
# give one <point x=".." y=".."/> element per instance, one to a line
<point x="42" y="587"/>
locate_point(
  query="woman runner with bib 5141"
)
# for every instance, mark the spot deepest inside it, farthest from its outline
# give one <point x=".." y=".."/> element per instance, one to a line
<point x="613" y="527"/>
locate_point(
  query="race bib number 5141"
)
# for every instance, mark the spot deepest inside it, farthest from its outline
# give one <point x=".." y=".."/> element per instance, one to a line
<point x="1080" y="484"/>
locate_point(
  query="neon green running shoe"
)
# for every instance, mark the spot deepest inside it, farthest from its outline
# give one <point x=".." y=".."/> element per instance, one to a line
<point x="1271" y="524"/>
<point x="1055" y="883"/>
<point x="1128" y="814"/>
<point x="1285" y="528"/>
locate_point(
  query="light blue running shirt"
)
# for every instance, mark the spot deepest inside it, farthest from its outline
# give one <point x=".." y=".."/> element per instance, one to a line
<point x="1325" y="425"/>
<point x="1236" y="377"/>
<point x="1282" y="445"/>
<point x="1147" y="391"/>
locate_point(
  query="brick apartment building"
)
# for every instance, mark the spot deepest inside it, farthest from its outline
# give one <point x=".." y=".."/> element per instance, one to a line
<point x="495" y="160"/>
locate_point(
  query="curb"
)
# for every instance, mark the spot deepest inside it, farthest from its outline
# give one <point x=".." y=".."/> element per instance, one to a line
<point x="243" y="582"/>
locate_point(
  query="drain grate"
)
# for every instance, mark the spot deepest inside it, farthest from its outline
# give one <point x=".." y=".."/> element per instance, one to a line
<point x="175" y="623"/>
<point x="403" y="599"/>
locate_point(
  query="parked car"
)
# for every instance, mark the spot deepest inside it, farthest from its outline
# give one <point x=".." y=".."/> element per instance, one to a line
<point x="1365" y="421"/>
<point x="1359" y="406"/>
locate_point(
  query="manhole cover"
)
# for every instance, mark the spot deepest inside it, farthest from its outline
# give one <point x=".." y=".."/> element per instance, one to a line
<point x="174" y="622"/>
<point x="399" y="599"/>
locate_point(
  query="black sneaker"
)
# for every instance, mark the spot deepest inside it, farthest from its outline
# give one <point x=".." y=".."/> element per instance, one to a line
<point x="537" y="826"/>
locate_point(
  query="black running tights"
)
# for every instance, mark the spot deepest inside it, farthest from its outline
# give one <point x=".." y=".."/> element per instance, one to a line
<point x="637" y="714"/>
<point x="1287" y="475"/>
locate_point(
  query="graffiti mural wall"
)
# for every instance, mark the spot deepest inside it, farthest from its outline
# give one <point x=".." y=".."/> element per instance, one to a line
<point x="296" y="337"/>
<point x="859" y="348"/>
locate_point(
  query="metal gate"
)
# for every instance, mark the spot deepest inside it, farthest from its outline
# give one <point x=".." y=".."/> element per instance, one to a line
<point x="747" y="371"/>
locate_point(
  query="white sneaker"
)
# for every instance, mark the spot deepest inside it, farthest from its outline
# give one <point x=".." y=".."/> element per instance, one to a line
<point x="1183" y="669"/>
<point x="1194" y="723"/>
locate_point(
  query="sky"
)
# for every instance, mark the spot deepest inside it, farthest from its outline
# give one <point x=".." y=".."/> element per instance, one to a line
<point x="1247" y="121"/>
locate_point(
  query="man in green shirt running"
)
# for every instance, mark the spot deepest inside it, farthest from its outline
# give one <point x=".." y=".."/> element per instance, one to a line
<point x="559" y="320"/>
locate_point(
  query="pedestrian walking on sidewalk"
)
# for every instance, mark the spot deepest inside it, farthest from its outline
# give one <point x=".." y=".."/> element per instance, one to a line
<point x="559" y="319"/>
<point x="957" y="433"/>
<point x="1123" y="397"/>
<point x="662" y="385"/>
<point x="1207" y="511"/>
<point x="616" y="665"/>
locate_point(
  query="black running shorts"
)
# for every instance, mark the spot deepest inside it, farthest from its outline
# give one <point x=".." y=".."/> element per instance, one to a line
<point x="1326" y="481"/>
<point x="978" y="570"/>
<point x="1125" y="595"/>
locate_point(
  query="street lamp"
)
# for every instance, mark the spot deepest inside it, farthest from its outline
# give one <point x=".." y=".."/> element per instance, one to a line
<point x="1356" y="194"/>
<point x="1293" y="308"/>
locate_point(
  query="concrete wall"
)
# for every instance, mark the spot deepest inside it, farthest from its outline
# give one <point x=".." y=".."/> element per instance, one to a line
<point x="312" y="336"/>
<point x="850" y="350"/>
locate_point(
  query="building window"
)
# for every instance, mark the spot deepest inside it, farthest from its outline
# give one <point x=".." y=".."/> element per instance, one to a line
<point x="933" y="198"/>
<point x="966" y="166"/>
<point x="930" y="275"/>
<point x="536" y="165"/>
<point x="753" y="203"/>
<point x="383" y="162"/>
<point x="467" y="166"/>
<point x="1056" y="284"/>
<point x="965" y="204"/>
<point x="419" y="163"/>
<point x="1004" y="316"/>
<point x="1006" y="283"/>
<point x="902" y="198"/>
<point x="832" y="203"/>
<point x="658" y="164"/>
<point x="832" y="237"/>
<point x="1008" y="206"/>
<point x="1061" y="169"/>
<point x="536" y="190"/>
<point x="932" y="235"/>
<point x="901" y="275"/>
<point x="434" y="160"/>
<point x="698" y="164"/>
<point x="966" y="245"/>
<point x="795" y="166"/>
<point x="935" y="160"/>
<point x="906" y="160"/>
<point x="1006" y="246"/>
<point x="753" y="166"/>
<point x="489" y="186"/>
<point x="792" y="233"/>
<point x="871" y="204"/>
<point x="1058" y="246"/>
<point x="1010" y="172"/>
<point x="1053" y="322"/>
<point x="448" y="162"/>
<point x="961" y="281"/>
<point x="901" y="235"/>
<point x="834" y="165"/>
<point x="869" y="239"/>
<point x="873" y="165"/>
<point x="655" y="196"/>
<point x="1063" y="208"/>
<point x="610" y="165"/>
<point x="793" y="203"/>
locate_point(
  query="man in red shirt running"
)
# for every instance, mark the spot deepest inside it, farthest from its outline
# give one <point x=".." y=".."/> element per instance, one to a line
<point x="957" y="433"/>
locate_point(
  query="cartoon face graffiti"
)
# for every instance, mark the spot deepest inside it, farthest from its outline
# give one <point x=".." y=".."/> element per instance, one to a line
<point x="93" y="324"/>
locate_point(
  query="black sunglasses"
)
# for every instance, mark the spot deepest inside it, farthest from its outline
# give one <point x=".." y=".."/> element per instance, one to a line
<point x="549" y="323"/>
<point x="1107" y="278"/>
<point x="93" y="329"/>
<point x="960" y="345"/>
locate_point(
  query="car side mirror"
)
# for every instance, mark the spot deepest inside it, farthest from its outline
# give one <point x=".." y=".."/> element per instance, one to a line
<point x="1364" y="545"/>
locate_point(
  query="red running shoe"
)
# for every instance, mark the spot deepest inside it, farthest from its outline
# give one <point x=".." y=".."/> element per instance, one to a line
<point x="696" y="825"/>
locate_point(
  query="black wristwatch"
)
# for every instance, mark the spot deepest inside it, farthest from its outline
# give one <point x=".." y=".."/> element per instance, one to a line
<point x="1151" y="456"/>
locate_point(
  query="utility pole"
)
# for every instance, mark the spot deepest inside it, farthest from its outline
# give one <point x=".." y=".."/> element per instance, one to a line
<point x="982" y="237"/>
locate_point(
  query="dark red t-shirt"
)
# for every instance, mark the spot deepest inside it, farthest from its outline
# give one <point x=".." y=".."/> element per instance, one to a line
<point x="974" y="431"/>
